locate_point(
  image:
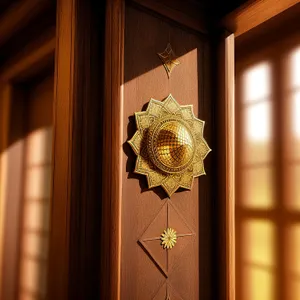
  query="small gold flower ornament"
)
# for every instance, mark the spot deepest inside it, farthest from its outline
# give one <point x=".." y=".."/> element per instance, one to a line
<point x="168" y="238"/>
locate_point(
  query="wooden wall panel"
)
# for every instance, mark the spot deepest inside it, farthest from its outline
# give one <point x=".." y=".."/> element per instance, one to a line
<point x="144" y="77"/>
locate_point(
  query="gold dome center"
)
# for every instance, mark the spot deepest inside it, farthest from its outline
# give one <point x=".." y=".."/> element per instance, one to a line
<point x="172" y="145"/>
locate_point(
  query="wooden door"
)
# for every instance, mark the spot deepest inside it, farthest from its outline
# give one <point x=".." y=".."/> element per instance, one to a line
<point x="143" y="269"/>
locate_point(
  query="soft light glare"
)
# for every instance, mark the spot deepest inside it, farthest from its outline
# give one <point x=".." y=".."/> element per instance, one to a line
<point x="38" y="183"/>
<point x="257" y="142"/>
<point x="258" y="284"/>
<point x="257" y="188"/>
<point x="258" y="242"/>
<point x="295" y="112"/>
<point x="35" y="245"/>
<point x="36" y="216"/>
<point x="295" y="68"/>
<point x="39" y="146"/>
<point x="257" y="83"/>
<point x="292" y="191"/>
<point x="33" y="277"/>
<point x="258" y="122"/>
<point x="292" y="262"/>
<point x="293" y="249"/>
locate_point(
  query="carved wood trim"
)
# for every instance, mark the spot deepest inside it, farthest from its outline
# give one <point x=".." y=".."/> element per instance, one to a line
<point x="112" y="154"/>
<point x="254" y="13"/>
<point x="226" y="163"/>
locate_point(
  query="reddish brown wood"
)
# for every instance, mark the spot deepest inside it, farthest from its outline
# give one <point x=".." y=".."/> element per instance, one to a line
<point x="254" y="13"/>
<point x="226" y="166"/>
<point x="112" y="151"/>
<point x="62" y="151"/>
<point x="190" y="15"/>
<point x="38" y="54"/>
<point x="147" y="34"/>
<point x="19" y="15"/>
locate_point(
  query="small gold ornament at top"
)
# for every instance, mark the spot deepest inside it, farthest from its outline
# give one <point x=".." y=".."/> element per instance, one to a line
<point x="168" y="238"/>
<point x="169" y="145"/>
<point x="169" y="59"/>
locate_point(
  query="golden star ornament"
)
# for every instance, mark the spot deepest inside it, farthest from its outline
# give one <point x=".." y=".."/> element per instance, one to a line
<point x="169" y="59"/>
<point x="169" y="145"/>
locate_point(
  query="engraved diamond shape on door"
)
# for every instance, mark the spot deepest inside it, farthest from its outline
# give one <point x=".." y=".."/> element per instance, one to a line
<point x="168" y="217"/>
<point x="167" y="292"/>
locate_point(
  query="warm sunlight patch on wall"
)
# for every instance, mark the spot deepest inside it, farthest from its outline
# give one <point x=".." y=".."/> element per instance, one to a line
<point x="292" y="182"/>
<point x="38" y="183"/>
<point x="39" y="146"/>
<point x="36" y="215"/>
<point x="296" y="115"/>
<point x="257" y="112"/>
<point x="294" y="65"/>
<point x="257" y="83"/>
<point x="258" y="242"/>
<point x="292" y="132"/>
<point x="257" y="126"/>
<point x="257" y="189"/>
<point x="256" y="138"/>
<point x="259" y="284"/>
<point x="163" y="86"/>
<point x="292" y="266"/>
<point x="258" y="256"/>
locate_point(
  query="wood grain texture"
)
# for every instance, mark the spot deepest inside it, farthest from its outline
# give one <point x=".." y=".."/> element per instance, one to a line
<point x="145" y="78"/>
<point x="190" y="15"/>
<point x="62" y="151"/>
<point x="112" y="151"/>
<point x="226" y="164"/>
<point x="254" y="13"/>
<point x="19" y="15"/>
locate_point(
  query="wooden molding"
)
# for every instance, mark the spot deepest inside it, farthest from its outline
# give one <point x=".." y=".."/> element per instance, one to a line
<point x="254" y="13"/>
<point x="25" y="64"/>
<point x="191" y="14"/>
<point x="19" y="15"/>
<point x="62" y="151"/>
<point x="226" y="140"/>
<point x="5" y="104"/>
<point x="74" y="267"/>
<point x="112" y="153"/>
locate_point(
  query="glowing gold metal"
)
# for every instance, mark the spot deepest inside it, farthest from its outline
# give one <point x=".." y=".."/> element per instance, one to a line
<point x="169" y="59"/>
<point x="169" y="145"/>
<point x="168" y="238"/>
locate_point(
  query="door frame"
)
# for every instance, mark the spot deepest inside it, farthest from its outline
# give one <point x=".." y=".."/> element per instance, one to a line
<point x="39" y="53"/>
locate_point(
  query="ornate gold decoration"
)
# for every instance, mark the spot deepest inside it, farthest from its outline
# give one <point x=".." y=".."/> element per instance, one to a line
<point x="169" y="145"/>
<point x="168" y="238"/>
<point x="169" y="59"/>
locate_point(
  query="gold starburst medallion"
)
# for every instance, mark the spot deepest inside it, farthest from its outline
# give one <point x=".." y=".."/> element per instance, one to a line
<point x="168" y="238"/>
<point x="169" y="145"/>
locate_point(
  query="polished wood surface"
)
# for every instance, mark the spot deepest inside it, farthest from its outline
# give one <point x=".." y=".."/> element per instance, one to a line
<point x="112" y="150"/>
<point x="76" y="209"/>
<point x="62" y="152"/>
<point x="254" y="13"/>
<point x="145" y="78"/>
<point x="226" y="166"/>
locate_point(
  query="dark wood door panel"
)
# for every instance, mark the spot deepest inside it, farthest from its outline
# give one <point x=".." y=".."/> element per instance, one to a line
<point x="143" y="265"/>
